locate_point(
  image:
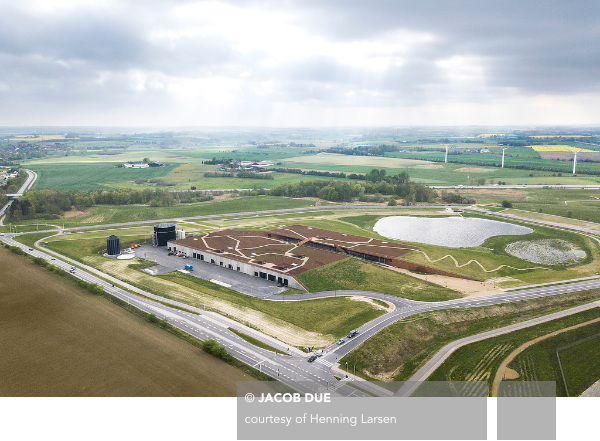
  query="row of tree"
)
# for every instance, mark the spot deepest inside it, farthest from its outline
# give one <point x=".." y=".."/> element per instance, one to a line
<point x="50" y="204"/>
<point x="376" y="182"/>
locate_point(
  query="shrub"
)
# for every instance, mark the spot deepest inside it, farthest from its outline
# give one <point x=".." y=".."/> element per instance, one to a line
<point x="506" y="204"/>
<point x="213" y="348"/>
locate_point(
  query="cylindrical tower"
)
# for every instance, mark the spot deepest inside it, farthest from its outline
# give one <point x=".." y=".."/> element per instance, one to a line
<point x="113" y="245"/>
<point x="163" y="233"/>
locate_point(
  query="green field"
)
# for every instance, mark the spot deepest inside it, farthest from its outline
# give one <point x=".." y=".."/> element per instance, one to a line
<point x="90" y="176"/>
<point x="399" y="350"/>
<point x="354" y="274"/>
<point x="434" y="173"/>
<point x="108" y="214"/>
<point x="480" y="361"/>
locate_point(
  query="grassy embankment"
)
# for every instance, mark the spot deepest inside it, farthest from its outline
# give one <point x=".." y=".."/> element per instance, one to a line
<point x="353" y="274"/>
<point x="480" y="361"/>
<point x="399" y="350"/>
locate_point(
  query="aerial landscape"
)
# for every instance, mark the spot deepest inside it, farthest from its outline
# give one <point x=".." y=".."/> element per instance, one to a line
<point x="322" y="198"/>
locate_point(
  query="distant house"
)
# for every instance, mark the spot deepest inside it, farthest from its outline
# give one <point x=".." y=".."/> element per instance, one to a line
<point x="136" y="165"/>
<point x="484" y="151"/>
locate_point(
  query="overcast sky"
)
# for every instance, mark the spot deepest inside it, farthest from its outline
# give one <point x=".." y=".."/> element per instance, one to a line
<point x="299" y="63"/>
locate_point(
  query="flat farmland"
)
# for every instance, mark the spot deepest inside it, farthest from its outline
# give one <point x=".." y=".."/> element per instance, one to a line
<point x="433" y="173"/>
<point x="58" y="340"/>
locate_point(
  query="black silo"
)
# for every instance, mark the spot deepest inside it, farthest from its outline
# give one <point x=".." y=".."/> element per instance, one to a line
<point x="113" y="246"/>
<point x="164" y="233"/>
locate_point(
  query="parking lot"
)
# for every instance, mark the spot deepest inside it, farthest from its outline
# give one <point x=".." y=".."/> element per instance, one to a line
<point x="243" y="283"/>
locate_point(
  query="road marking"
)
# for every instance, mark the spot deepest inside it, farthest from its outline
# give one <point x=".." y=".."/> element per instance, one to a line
<point x="325" y="362"/>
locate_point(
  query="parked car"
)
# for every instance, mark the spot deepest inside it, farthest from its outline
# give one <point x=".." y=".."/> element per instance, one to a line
<point x="340" y="341"/>
<point x="171" y="253"/>
<point x="312" y="358"/>
<point x="352" y="333"/>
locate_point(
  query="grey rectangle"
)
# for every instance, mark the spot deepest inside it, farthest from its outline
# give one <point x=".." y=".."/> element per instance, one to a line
<point x="350" y="418"/>
<point x="527" y="410"/>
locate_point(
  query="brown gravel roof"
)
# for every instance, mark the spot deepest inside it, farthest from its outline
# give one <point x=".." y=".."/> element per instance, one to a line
<point x="256" y="248"/>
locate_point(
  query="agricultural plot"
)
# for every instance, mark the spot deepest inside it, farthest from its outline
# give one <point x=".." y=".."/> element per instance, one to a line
<point x="110" y="351"/>
<point x="429" y="168"/>
<point x="559" y="148"/>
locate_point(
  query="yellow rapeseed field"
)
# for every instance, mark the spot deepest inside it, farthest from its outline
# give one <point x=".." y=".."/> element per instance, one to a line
<point x="558" y="148"/>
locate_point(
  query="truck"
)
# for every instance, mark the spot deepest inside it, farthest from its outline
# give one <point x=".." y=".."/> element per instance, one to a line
<point x="189" y="267"/>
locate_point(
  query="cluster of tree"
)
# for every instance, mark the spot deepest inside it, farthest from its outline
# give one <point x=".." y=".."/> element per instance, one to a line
<point x="455" y="198"/>
<point x="50" y="204"/>
<point x="335" y="191"/>
<point x="13" y="185"/>
<point x="215" y="161"/>
<point x="377" y="182"/>
<point x="340" y="175"/>
<point x="365" y="150"/>
<point x="250" y="175"/>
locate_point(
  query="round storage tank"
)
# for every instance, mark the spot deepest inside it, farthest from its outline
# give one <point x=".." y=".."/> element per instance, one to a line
<point x="164" y="233"/>
<point x="113" y="245"/>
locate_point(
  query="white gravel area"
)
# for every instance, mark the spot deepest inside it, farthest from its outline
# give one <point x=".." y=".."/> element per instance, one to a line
<point x="545" y="251"/>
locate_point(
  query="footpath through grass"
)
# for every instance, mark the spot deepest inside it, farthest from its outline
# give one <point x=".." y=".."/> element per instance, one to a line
<point x="355" y="274"/>
<point x="399" y="350"/>
<point x="480" y="361"/>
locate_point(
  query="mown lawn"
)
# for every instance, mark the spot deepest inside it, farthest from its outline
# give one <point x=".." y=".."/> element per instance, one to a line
<point x="355" y="274"/>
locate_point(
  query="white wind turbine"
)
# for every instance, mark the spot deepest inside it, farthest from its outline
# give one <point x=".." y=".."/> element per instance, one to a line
<point x="575" y="159"/>
<point x="503" y="156"/>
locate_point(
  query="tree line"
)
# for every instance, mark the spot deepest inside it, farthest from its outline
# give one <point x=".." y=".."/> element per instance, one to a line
<point x="50" y="204"/>
<point x="376" y="182"/>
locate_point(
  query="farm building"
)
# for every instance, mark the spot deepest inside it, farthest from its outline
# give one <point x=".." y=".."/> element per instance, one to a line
<point x="278" y="255"/>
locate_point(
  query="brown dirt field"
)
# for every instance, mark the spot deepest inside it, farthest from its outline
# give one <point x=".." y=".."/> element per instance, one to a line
<point x="469" y="170"/>
<point x="70" y="214"/>
<point x="59" y="340"/>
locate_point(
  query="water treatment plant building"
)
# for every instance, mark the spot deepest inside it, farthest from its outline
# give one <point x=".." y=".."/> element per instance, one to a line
<point x="279" y="255"/>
